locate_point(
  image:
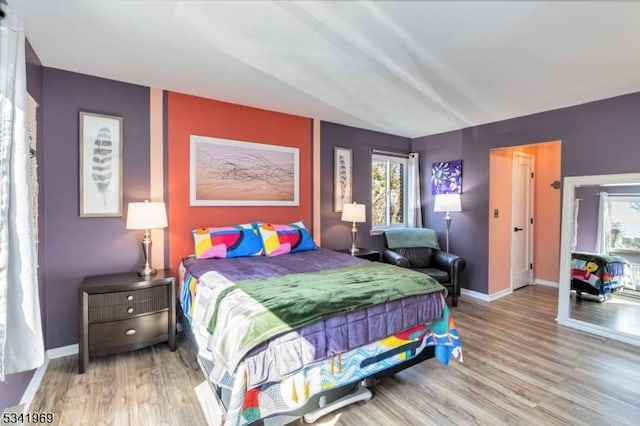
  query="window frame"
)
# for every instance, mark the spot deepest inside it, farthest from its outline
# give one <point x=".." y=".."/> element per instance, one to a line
<point x="390" y="159"/>
<point x="628" y="198"/>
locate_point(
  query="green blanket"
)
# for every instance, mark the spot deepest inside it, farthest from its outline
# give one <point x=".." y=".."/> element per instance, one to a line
<point x="250" y="312"/>
<point x="411" y="237"/>
<point x="601" y="259"/>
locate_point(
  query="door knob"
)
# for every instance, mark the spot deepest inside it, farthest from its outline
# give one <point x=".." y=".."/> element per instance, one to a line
<point x="516" y="229"/>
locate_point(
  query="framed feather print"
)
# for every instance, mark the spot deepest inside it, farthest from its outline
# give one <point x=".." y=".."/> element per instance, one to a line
<point x="100" y="165"/>
<point x="342" y="177"/>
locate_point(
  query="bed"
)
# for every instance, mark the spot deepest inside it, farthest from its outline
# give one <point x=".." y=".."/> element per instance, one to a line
<point x="281" y="337"/>
<point x="599" y="274"/>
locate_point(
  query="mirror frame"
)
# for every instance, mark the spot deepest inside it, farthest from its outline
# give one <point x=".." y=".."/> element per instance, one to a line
<point x="567" y="231"/>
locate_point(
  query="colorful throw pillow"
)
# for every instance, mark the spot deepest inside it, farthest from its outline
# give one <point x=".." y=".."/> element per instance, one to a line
<point x="226" y="241"/>
<point x="282" y="239"/>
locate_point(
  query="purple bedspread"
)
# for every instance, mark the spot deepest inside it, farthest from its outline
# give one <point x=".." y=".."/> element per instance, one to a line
<point x="255" y="267"/>
<point x="323" y="339"/>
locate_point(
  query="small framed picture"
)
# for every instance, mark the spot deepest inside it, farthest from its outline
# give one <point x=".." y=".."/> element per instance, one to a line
<point x="342" y="177"/>
<point x="100" y="154"/>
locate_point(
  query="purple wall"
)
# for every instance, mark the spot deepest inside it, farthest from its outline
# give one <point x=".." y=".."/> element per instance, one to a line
<point x="597" y="138"/>
<point x="13" y="388"/>
<point x="587" y="218"/>
<point x="336" y="234"/>
<point x="442" y="148"/>
<point x="76" y="247"/>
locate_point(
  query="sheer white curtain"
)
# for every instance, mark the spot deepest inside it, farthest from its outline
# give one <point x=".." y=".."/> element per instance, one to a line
<point x="576" y="209"/>
<point x="21" y="342"/>
<point x="414" y="204"/>
<point x="604" y="222"/>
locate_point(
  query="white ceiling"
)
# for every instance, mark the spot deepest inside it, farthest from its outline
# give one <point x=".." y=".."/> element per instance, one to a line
<point x="407" y="68"/>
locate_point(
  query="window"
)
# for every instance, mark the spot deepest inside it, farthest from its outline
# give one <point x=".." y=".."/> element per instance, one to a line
<point x="623" y="223"/>
<point x="388" y="191"/>
<point x="619" y="231"/>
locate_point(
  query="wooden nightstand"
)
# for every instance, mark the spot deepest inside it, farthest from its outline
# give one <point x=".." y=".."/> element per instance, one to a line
<point x="364" y="253"/>
<point x="123" y="312"/>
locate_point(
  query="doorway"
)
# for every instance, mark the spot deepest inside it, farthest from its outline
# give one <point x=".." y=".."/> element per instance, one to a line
<point x="522" y="241"/>
<point x="544" y="232"/>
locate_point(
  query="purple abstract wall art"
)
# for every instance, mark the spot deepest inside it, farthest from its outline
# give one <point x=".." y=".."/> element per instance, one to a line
<point x="446" y="177"/>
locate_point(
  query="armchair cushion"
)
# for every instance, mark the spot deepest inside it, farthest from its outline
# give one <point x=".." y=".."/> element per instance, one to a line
<point x="438" y="274"/>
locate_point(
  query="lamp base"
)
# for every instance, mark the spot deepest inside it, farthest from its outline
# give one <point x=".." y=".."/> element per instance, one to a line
<point x="354" y="231"/>
<point x="447" y="221"/>
<point x="147" y="271"/>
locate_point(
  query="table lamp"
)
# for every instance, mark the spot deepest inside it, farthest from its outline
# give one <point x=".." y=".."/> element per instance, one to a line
<point x="353" y="212"/>
<point x="447" y="203"/>
<point x="146" y="216"/>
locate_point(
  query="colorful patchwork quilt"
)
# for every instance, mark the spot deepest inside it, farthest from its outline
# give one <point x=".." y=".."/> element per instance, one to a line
<point x="282" y="373"/>
<point x="599" y="274"/>
<point x="292" y="392"/>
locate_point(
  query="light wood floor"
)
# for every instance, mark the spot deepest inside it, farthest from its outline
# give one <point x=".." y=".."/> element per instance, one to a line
<point x="519" y="368"/>
<point x="621" y="313"/>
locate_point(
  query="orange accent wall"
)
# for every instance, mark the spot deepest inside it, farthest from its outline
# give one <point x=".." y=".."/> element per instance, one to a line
<point x="189" y="115"/>
<point x="547" y="212"/>
<point x="500" y="184"/>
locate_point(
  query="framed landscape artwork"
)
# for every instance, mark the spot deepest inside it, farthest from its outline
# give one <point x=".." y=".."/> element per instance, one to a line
<point x="227" y="172"/>
<point x="100" y="155"/>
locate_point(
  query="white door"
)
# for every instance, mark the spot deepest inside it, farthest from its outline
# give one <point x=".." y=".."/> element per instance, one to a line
<point x="522" y="221"/>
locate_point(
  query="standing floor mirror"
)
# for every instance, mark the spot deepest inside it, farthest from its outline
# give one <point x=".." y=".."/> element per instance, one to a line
<point x="600" y="256"/>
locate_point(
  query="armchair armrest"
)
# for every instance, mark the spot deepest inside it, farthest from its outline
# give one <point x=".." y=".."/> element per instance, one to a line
<point x="455" y="265"/>
<point x="395" y="258"/>
<point x="447" y="261"/>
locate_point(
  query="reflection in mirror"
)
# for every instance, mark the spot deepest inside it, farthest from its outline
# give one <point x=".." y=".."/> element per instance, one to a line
<point x="601" y="283"/>
<point x="605" y="261"/>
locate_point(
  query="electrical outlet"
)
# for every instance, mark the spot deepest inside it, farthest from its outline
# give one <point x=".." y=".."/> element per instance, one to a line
<point x="496" y="213"/>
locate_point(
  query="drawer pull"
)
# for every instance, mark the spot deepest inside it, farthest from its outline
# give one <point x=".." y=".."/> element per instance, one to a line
<point x="129" y="297"/>
<point x="130" y="310"/>
<point x="131" y="332"/>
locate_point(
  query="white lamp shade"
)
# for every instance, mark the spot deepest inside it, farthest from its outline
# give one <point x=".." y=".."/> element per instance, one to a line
<point x="146" y="215"/>
<point x="353" y="212"/>
<point x="447" y="203"/>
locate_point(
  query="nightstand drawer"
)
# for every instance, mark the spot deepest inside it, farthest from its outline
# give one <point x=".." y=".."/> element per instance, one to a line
<point x="127" y="304"/>
<point x="125" y="335"/>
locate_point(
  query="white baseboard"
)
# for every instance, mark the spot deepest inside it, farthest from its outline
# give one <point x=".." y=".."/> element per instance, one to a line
<point x="474" y="294"/>
<point x="502" y="293"/>
<point x="62" y="351"/>
<point x="34" y="384"/>
<point x="546" y="283"/>
<point x="485" y="297"/>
